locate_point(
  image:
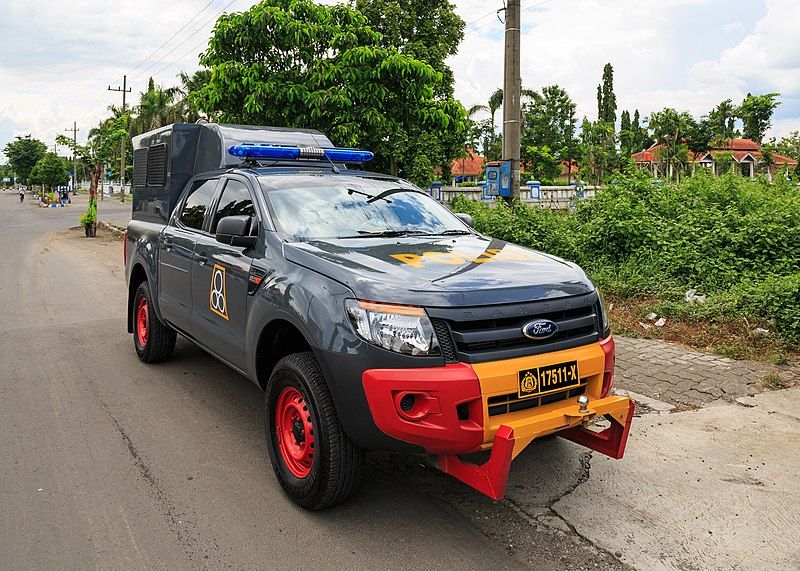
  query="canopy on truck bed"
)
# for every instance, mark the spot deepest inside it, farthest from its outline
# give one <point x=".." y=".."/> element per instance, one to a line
<point x="166" y="158"/>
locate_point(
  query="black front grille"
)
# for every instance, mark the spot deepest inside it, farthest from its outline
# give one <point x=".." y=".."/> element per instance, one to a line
<point x="445" y="340"/>
<point x="490" y="333"/>
<point x="504" y="404"/>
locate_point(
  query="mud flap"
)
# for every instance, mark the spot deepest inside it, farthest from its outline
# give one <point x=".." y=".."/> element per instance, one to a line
<point x="610" y="442"/>
<point x="489" y="478"/>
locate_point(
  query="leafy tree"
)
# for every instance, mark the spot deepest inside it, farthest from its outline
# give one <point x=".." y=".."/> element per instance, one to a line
<point x="6" y="172"/>
<point x="787" y="146"/>
<point x="699" y="135"/>
<point x="23" y="153"/>
<point x="102" y="146"/>
<point x="671" y="130"/>
<point x="722" y="122"/>
<point x="641" y="138"/>
<point x="756" y="114"/>
<point x="626" y="135"/>
<point x="606" y="99"/>
<point x="550" y="122"/>
<point x="426" y="30"/>
<point x="49" y="171"/>
<point x="598" y="150"/>
<point x="541" y="162"/>
<point x="295" y="63"/>
<point x="495" y="103"/>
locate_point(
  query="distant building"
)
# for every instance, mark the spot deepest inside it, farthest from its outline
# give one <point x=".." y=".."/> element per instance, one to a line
<point x="468" y="168"/>
<point x="745" y="153"/>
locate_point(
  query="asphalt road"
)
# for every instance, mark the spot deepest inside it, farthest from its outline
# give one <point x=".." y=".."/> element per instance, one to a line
<point x="109" y="463"/>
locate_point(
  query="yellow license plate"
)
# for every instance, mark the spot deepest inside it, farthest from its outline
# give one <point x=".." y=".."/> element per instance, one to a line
<point x="548" y="378"/>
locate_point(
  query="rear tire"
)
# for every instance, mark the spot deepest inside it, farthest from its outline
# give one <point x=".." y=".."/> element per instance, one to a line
<point x="154" y="341"/>
<point x="315" y="462"/>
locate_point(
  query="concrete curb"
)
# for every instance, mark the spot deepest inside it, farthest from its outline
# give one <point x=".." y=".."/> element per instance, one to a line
<point x="111" y="228"/>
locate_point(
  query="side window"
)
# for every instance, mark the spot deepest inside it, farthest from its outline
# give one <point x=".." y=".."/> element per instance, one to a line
<point x="235" y="200"/>
<point x="197" y="203"/>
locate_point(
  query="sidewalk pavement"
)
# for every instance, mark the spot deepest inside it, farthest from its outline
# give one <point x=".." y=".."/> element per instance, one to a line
<point x="681" y="376"/>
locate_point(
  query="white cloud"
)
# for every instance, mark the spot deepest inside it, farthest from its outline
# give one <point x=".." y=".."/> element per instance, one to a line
<point x="734" y="27"/>
<point x="57" y="58"/>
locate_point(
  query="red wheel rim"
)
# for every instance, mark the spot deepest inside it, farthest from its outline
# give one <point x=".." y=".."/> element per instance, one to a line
<point x="142" y="321"/>
<point x="295" y="432"/>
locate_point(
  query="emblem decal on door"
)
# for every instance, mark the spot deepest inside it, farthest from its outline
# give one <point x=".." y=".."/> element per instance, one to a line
<point x="218" y="303"/>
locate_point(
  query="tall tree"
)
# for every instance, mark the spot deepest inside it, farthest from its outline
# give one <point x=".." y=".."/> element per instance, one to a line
<point x="426" y="30"/>
<point x="100" y="149"/>
<point x="626" y="135"/>
<point x="597" y="149"/>
<point x="756" y="114"/>
<point x="606" y="99"/>
<point x="49" y="171"/>
<point x="641" y="138"/>
<point x="722" y="121"/>
<point x="295" y="63"/>
<point x="671" y="130"/>
<point x="549" y="119"/>
<point x="23" y="153"/>
<point x="495" y="103"/>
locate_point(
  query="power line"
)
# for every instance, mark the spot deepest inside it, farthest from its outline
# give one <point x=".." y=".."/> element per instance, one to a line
<point x="182" y="28"/>
<point x="192" y="19"/>
<point x="161" y="59"/>
<point x="498" y="11"/>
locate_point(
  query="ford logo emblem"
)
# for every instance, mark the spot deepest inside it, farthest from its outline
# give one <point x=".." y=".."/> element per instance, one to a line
<point x="540" y="329"/>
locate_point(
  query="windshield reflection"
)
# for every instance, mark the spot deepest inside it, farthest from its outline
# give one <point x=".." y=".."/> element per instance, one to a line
<point x="349" y="208"/>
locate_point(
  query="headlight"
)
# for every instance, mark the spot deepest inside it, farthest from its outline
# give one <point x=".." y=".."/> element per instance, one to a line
<point x="605" y="326"/>
<point x="399" y="328"/>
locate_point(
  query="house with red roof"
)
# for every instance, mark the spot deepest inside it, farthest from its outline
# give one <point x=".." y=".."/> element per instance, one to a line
<point x="746" y="155"/>
<point x="468" y="168"/>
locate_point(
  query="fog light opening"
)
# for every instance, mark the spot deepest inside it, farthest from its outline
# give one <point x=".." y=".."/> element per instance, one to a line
<point x="407" y="402"/>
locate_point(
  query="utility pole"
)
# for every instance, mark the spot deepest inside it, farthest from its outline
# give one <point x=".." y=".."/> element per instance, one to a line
<point x="125" y="89"/>
<point x="74" y="155"/>
<point x="512" y="83"/>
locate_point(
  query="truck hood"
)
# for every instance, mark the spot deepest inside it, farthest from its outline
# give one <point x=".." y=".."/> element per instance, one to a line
<point x="444" y="271"/>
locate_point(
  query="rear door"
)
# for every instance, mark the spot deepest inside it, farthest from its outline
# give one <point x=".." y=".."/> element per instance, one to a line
<point x="220" y="274"/>
<point x="176" y="250"/>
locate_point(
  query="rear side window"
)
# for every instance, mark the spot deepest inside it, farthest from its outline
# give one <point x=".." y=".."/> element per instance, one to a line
<point x="235" y="200"/>
<point x="197" y="203"/>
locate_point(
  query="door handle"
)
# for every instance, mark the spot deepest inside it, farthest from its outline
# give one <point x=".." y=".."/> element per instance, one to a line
<point x="168" y="245"/>
<point x="202" y="260"/>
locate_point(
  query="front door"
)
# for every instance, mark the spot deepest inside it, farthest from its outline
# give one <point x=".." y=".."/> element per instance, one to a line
<point x="220" y="274"/>
<point x="176" y="250"/>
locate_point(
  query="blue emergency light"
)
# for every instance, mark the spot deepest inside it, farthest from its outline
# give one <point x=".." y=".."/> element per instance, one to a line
<point x="267" y="151"/>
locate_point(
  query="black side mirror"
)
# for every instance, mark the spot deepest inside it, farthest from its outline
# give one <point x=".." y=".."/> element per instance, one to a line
<point x="235" y="230"/>
<point x="465" y="218"/>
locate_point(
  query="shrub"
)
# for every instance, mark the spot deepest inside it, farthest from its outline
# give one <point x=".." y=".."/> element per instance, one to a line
<point x="91" y="214"/>
<point x="736" y="240"/>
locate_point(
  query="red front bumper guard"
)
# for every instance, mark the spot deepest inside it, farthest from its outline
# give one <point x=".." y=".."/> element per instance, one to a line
<point x="491" y="477"/>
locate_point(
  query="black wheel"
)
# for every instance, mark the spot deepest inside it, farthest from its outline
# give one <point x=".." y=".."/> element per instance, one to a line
<point x="153" y="340"/>
<point x="316" y="463"/>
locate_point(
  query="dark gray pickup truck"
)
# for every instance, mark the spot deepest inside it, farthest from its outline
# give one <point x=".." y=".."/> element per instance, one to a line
<point x="372" y="316"/>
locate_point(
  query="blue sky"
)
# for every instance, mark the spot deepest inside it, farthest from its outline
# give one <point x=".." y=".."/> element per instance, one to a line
<point x="57" y="58"/>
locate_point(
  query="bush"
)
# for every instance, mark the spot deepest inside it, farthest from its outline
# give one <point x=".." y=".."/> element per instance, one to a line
<point x="736" y="240"/>
<point x="91" y="214"/>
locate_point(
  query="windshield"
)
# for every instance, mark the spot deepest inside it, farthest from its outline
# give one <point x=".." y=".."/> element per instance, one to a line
<point x="345" y="209"/>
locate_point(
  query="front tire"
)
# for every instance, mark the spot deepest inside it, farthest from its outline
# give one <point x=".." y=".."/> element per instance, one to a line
<point x="153" y="340"/>
<point x="315" y="462"/>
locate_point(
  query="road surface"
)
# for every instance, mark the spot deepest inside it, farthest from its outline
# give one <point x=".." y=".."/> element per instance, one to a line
<point x="109" y="463"/>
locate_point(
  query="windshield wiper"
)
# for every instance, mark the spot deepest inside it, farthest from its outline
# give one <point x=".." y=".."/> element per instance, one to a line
<point x="384" y="234"/>
<point x="370" y="198"/>
<point x="451" y="232"/>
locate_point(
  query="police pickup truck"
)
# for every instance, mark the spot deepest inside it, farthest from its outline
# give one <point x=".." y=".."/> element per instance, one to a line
<point x="372" y="317"/>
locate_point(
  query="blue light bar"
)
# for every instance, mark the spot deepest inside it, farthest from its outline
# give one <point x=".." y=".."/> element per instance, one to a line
<point x="267" y="151"/>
